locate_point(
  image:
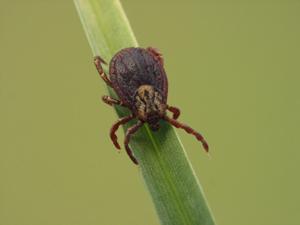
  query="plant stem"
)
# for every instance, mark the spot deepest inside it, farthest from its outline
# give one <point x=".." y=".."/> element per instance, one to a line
<point x="174" y="188"/>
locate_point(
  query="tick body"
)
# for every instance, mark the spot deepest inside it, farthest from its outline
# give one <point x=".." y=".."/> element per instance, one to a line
<point x="138" y="77"/>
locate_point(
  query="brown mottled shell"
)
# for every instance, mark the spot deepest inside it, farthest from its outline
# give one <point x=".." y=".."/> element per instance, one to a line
<point x="132" y="67"/>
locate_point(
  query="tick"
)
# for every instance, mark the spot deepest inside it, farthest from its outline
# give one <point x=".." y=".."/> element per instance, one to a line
<point x="138" y="77"/>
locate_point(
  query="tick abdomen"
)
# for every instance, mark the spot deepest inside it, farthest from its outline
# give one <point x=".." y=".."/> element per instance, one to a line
<point x="134" y="67"/>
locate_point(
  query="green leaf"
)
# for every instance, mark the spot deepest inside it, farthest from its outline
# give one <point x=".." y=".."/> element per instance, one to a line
<point x="167" y="172"/>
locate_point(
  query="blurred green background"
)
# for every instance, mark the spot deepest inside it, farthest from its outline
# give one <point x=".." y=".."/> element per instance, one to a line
<point x="233" y="69"/>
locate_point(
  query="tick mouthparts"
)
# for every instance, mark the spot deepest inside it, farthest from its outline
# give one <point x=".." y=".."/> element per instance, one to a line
<point x="154" y="128"/>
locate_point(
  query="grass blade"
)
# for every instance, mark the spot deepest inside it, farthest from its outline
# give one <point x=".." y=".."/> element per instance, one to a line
<point x="170" y="179"/>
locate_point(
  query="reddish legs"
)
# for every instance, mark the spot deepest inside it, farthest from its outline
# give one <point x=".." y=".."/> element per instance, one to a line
<point x="115" y="127"/>
<point x="156" y="54"/>
<point x="111" y="101"/>
<point x="128" y="135"/>
<point x="189" y="130"/>
<point x="175" y="111"/>
<point x="97" y="62"/>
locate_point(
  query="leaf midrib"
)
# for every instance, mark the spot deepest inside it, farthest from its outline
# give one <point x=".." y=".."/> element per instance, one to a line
<point x="156" y="148"/>
<point x="168" y="179"/>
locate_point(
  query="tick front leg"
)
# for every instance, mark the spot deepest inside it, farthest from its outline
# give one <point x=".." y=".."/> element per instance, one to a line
<point x="128" y="135"/>
<point x="98" y="61"/>
<point x="156" y="54"/>
<point x="116" y="126"/>
<point x="111" y="101"/>
<point x="174" y="110"/>
<point x="189" y="130"/>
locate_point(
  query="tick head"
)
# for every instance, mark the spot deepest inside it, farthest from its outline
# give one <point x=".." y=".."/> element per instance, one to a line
<point x="149" y="106"/>
<point x="153" y="121"/>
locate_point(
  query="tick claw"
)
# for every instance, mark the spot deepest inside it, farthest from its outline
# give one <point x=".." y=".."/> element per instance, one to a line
<point x="205" y="146"/>
<point x="116" y="144"/>
<point x="98" y="58"/>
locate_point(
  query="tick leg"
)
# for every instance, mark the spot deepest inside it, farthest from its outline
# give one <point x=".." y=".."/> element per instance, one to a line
<point x="115" y="127"/>
<point x="189" y="130"/>
<point x="156" y="54"/>
<point x="174" y="110"/>
<point x="128" y="135"/>
<point x="98" y="61"/>
<point x="111" y="101"/>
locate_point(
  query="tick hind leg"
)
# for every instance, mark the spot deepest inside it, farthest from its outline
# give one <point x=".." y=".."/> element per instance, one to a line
<point x="156" y="54"/>
<point x="175" y="111"/>
<point x="128" y="135"/>
<point x="189" y="130"/>
<point x="115" y="127"/>
<point x="98" y="61"/>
